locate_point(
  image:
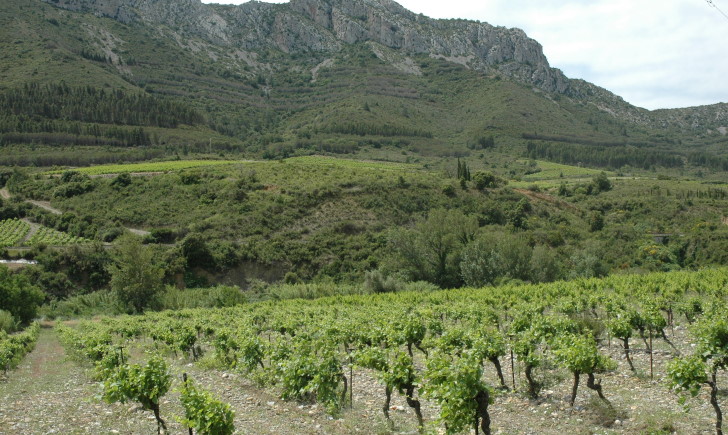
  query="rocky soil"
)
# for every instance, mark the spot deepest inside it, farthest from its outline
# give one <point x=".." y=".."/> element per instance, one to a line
<point x="49" y="393"/>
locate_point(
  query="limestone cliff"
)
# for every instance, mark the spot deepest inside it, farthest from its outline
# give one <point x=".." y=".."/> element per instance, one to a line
<point x="324" y="25"/>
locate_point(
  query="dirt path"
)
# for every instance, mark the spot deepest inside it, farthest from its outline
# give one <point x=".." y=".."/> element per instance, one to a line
<point x="34" y="227"/>
<point x="49" y="394"/>
<point x="45" y="205"/>
<point x="138" y="232"/>
<point x="537" y="196"/>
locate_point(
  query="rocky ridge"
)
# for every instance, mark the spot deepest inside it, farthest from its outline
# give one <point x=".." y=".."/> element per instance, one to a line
<point x="325" y="26"/>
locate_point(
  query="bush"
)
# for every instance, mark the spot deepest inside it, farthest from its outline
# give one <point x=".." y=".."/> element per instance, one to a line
<point x="312" y="290"/>
<point x="213" y="297"/>
<point x="97" y="303"/>
<point x="135" y="277"/>
<point x="18" y="296"/>
<point x="376" y="282"/>
<point x="7" y="322"/>
<point x="486" y="180"/>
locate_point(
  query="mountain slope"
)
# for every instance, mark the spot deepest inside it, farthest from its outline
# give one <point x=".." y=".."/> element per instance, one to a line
<point x="329" y="75"/>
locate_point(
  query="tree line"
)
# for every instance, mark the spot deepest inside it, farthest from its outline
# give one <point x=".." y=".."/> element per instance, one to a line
<point x="93" y="105"/>
<point x="606" y="157"/>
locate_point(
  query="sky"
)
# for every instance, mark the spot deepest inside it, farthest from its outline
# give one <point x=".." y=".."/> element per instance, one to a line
<point x="653" y="53"/>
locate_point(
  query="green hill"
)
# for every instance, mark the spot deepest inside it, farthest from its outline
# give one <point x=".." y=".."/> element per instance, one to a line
<point x="284" y="94"/>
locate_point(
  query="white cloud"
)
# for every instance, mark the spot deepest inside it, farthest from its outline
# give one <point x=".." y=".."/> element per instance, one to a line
<point x="652" y="53"/>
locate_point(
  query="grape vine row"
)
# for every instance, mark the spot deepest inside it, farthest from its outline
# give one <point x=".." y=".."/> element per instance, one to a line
<point x="444" y="345"/>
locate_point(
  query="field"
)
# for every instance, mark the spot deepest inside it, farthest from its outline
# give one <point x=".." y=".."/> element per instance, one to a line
<point x="174" y="165"/>
<point x="50" y="237"/>
<point x="439" y="347"/>
<point x="12" y="232"/>
<point x="552" y="171"/>
<point x="15" y="233"/>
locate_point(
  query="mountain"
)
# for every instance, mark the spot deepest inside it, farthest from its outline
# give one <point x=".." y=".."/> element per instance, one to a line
<point x="304" y="26"/>
<point x="330" y="75"/>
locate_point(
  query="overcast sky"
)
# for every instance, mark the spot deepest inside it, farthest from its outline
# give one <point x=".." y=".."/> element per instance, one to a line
<point x="653" y="53"/>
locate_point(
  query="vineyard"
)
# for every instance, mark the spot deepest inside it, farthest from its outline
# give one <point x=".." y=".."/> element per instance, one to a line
<point x="51" y="237"/>
<point x="173" y="165"/>
<point x="452" y="361"/>
<point x="14" y="347"/>
<point x="13" y="232"/>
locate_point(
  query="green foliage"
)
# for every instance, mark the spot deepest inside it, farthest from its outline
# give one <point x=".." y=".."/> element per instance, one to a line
<point x="457" y="387"/>
<point x="135" y="277"/>
<point x="213" y="297"/>
<point x="376" y="282"/>
<point x="12" y="232"/>
<point x="203" y="412"/>
<point x="688" y="373"/>
<point x="301" y="347"/>
<point x="463" y="172"/>
<point x="601" y="183"/>
<point x="19" y="296"/>
<point x="486" y="180"/>
<point x="579" y="354"/>
<point x="123" y="179"/>
<point x="312" y="371"/>
<point x="14" y="347"/>
<point x="612" y="157"/>
<point x="8" y="324"/>
<point x="431" y="251"/>
<point x="494" y="256"/>
<point x="142" y="384"/>
<point x="711" y="332"/>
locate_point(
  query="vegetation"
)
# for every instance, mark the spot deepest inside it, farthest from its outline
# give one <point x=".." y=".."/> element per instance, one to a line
<point x="143" y="384"/>
<point x="165" y="166"/>
<point x="19" y="296"/>
<point x="14" y="347"/>
<point x="453" y="178"/>
<point x="135" y="278"/>
<point x="205" y="413"/>
<point x="12" y="232"/>
<point x="301" y="347"/>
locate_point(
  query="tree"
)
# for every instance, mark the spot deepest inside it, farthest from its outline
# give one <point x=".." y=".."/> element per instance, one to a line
<point x="545" y="266"/>
<point x="197" y="253"/>
<point x="494" y="256"/>
<point x="485" y="180"/>
<point x="596" y="221"/>
<point x="601" y="183"/>
<point x="431" y="250"/>
<point x="18" y="296"/>
<point x="135" y="277"/>
<point x="463" y="171"/>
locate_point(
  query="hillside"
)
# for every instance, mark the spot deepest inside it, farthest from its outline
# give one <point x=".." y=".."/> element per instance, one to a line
<point x="309" y="76"/>
<point x="91" y="82"/>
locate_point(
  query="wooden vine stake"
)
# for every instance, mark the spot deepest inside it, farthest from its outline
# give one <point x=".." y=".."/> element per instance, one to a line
<point x="652" y="375"/>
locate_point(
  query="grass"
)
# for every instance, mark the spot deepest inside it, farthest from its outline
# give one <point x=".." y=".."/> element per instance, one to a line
<point x="354" y="164"/>
<point x="551" y="171"/>
<point x="166" y="166"/>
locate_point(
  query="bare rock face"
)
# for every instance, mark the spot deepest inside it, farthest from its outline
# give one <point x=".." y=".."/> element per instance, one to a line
<point x="325" y="25"/>
<point x="508" y="51"/>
